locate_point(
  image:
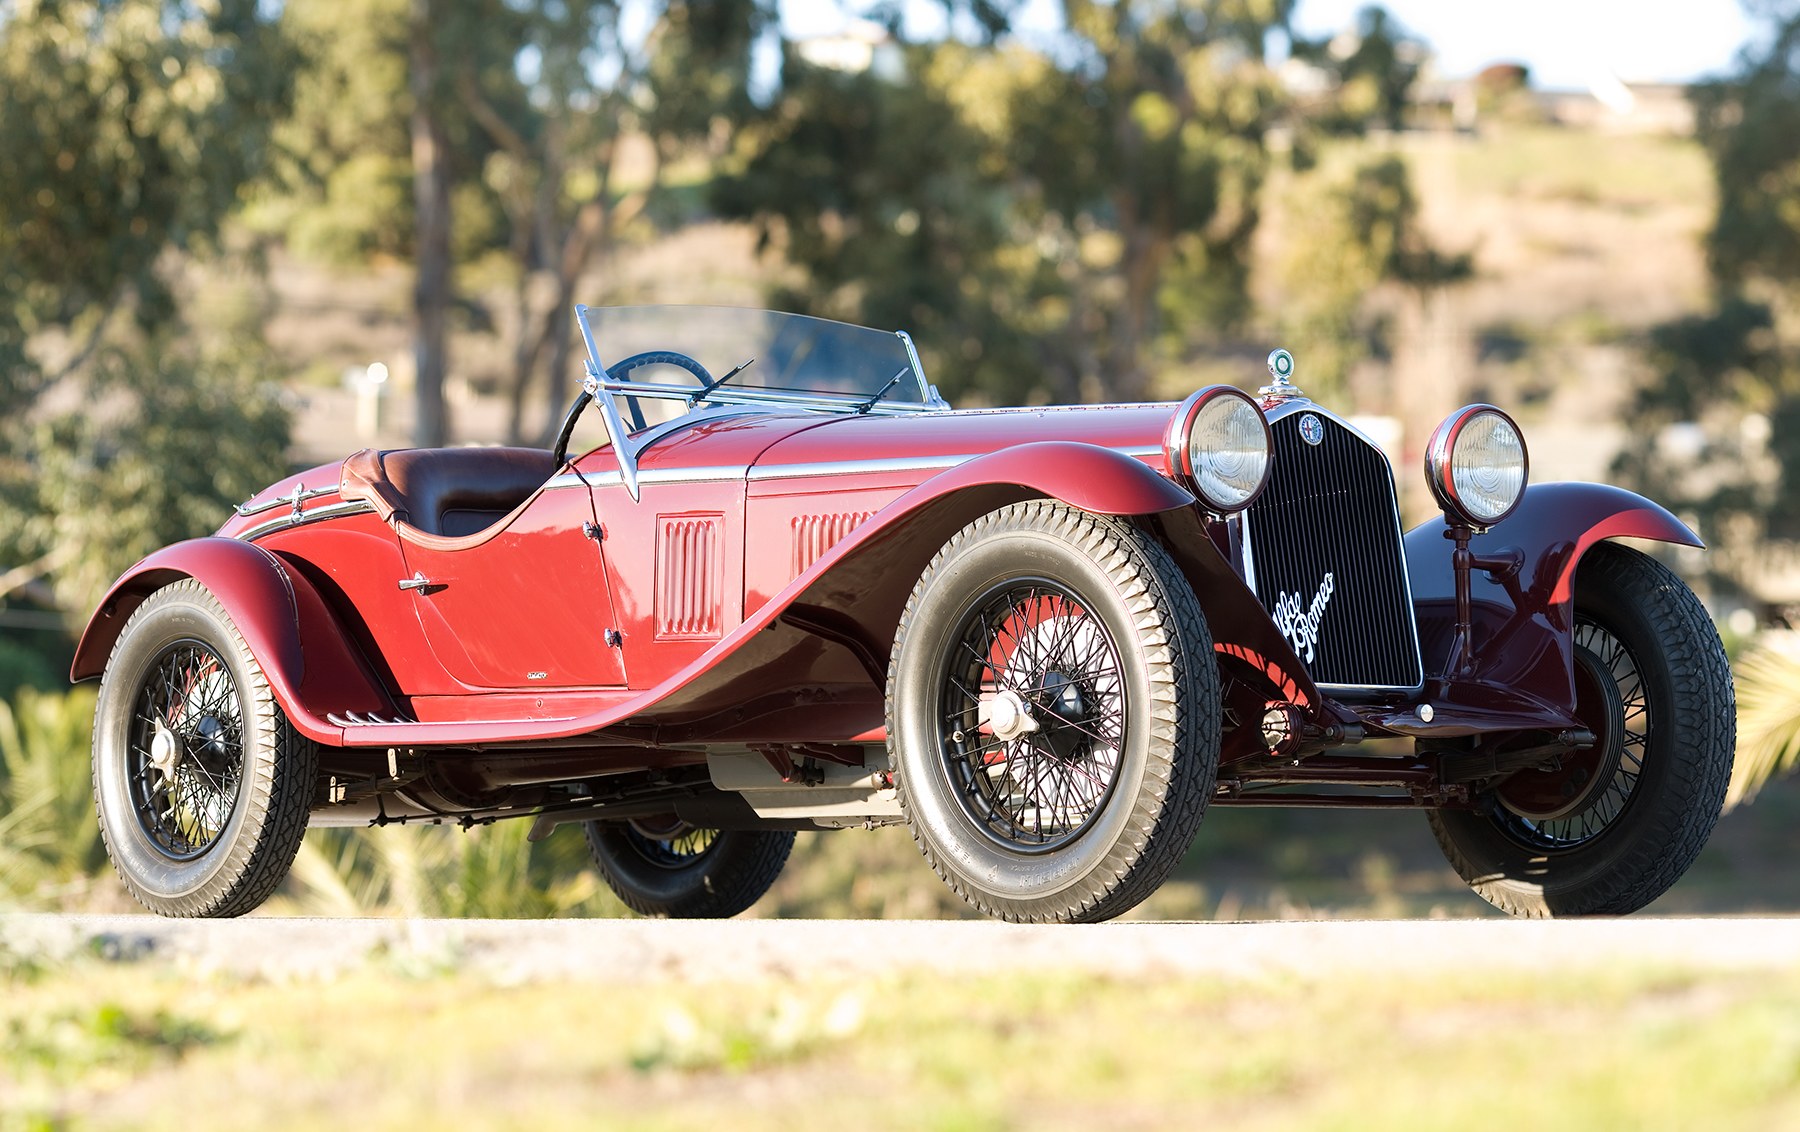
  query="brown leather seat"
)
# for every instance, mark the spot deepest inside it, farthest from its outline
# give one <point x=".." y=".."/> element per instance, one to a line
<point x="449" y="496"/>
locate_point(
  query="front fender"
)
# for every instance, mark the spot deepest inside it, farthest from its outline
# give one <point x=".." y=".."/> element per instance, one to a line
<point x="1523" y="625"/>
<point x="311" y="667"/>
<point x="1087" y="476"/>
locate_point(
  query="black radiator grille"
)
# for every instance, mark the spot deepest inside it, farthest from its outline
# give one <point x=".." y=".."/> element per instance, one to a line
<point x="1330" y="509"/>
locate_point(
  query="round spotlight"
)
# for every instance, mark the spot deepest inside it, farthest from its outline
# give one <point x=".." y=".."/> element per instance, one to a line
<point x="1477" y="466"/>
<point x="1218" y="445"/>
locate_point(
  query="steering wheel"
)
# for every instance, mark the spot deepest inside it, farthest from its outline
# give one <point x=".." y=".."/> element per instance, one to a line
<point x="660" y="357"/>
<point x="618" y="370"/>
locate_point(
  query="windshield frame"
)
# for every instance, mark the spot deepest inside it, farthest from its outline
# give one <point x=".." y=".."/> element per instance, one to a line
<point x="605" y="390"/>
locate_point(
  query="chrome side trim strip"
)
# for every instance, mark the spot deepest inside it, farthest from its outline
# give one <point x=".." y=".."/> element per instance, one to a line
<point x="897" y="464"/>
<point x="317" y="514"/>
<point x="712" y="474"/>
<point x="694" y="475"/>
<point x="859" y="467"/>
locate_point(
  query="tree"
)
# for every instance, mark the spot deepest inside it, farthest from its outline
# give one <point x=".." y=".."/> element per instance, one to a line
<point x="127" y="133"/>
<point x="1054" y="224"/>
<point x="1375" y="64"/>
<point x="128" y="128"/>
<point x="562" y="154"/>
<point x="1353" y="226"/>
<point x="432" y="177"/>
<point x="1718" y="415"/>
<point x="1717" y="418"/>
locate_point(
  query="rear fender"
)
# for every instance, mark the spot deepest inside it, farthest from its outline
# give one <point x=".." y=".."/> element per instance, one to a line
<point x="312" y="669"/>
<point x="1524" y="623"/>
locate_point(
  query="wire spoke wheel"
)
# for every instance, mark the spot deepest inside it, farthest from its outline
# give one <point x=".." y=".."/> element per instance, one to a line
<point x="1034" y="714"/>
<point x="1609" y="828"/>
<point x="674" y="847"/>
<point x="202" y="786"/>
<point x="664" y="866"/>
<point x="1601" y="783"/>
<point x="1053" y="713"/>
<point x="186" y="750"/>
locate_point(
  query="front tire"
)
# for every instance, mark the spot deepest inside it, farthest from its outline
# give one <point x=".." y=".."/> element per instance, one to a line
<point x="1615" y="827"/>
<point x="1053" y="714"/>
<point x="675" y="870"/>
<point x="201" y="785"/>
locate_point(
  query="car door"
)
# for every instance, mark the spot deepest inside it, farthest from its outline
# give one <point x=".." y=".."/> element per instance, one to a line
<point x="527" y="607"/>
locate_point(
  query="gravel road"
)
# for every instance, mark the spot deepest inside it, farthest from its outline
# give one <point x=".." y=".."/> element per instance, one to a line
<point x="632" y="951"/>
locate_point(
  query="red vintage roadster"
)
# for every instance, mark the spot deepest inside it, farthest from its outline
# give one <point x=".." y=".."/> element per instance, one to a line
<point x="790" y="588"/>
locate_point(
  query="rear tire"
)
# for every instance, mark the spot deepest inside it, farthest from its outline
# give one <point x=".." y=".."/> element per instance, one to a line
<point x="201" y="785"/>
<point x="1571" y="843"/>
<point x="676" y="871"/>
<point x="1053" y="714"/>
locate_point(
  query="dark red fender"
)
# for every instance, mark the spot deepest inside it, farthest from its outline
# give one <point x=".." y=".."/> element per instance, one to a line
<point x="1082" y="475"/>
<point x="1523" y="625"/>
<point x="311" y="667"/>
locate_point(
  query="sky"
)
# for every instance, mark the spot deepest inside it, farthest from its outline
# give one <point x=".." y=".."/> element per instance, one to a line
<point x="1566" y="43"/>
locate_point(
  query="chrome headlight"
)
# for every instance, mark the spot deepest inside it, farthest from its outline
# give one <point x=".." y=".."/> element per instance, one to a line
<point x="1477" y="466"/>
<point x="1218" y="446"/>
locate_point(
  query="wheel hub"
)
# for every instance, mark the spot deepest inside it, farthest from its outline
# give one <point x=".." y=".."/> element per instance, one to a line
<point x="1548" y="795"/>
<point x="165" y="750"/>
<point x="1060" y="698"/>
<point x="211" y="749"/>
<point x="1007" y="715"/>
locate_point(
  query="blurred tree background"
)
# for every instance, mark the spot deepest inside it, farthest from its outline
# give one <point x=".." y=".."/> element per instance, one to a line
<point x="214" y="215"/>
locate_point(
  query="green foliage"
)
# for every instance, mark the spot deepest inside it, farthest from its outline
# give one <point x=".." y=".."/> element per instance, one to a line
<point x="489" y="871"/>
<point x="73" y="1043"/>
<point x="1375" y="68"/>
<point x="127" y="129"/>
<point x="341" y="190"/>
<point x="1749" y="123"/>
<point x="1352" y="228"/>
<point x="127" y="132"/>
<point x="888" y="198"/>
<point x="698" y="71"/>
<point x="24" y="667"/>
<point x="170" y="442"/>
<point x="341" y="187"/>
<point x="1722" y="379"/>
<point x="50" y="843"/>
<point x="1052" y="226"/>
<point x="1725" y="383"/>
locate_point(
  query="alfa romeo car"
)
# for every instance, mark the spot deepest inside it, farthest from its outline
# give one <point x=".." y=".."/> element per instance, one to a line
<point x="782" y="585"/>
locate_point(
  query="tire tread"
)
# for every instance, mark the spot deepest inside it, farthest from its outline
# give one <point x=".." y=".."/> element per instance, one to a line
<point x="1683" y="816"/>
<point x="1182" y="711"/>
<point x="279" y="799"/>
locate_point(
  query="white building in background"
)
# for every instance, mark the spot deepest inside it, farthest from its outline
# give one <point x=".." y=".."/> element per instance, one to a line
<point x="863" y="45"/>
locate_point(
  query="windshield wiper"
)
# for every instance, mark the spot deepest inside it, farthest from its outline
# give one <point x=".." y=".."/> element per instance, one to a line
<point x="892" y="381"/>
<point x="712" y="385"/>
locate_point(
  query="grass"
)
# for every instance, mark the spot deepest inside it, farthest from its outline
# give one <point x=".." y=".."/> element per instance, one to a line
<point x="96" y="1044"/>
<point x="1621" y="171"/>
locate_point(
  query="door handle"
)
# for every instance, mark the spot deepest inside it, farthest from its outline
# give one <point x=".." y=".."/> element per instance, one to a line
<point x="417" y="582"/>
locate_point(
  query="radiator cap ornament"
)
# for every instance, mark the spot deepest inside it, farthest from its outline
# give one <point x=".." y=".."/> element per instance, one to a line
<point x="1281" y="370"/>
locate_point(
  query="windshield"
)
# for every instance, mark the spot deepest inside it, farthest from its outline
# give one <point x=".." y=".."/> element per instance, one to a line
<point x="659" y="362"/>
